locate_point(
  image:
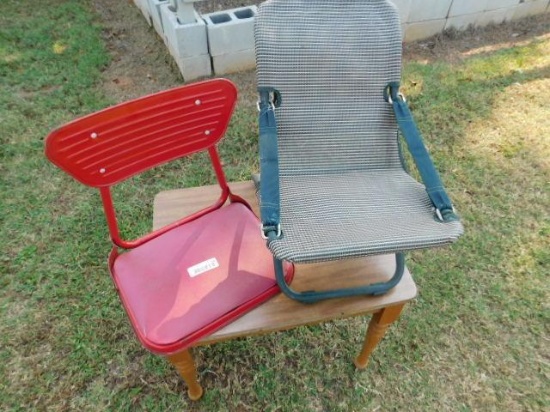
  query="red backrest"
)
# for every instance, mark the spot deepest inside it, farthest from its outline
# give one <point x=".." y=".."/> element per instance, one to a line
<point x="109" y="146"/>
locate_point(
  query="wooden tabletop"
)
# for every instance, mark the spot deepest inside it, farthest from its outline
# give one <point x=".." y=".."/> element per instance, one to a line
<point x="280" y="312"/>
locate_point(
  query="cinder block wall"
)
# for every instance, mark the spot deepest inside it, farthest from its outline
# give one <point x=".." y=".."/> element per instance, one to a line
<point x="424" y="18"/>
<point x="224" y="40"/>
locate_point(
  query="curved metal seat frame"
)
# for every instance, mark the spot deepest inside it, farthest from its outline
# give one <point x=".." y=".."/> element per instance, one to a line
<point x="311" y="296"/>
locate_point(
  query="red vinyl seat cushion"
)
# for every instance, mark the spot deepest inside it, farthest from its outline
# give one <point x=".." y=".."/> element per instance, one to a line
<point x="176" y="287"/>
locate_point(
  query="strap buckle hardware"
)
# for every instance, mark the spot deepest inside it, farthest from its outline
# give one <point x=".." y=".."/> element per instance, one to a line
<point x="440" y="216"/>
<point x="271" y="106"/>
<point x="270" y="228"/>
<point x="400" y="95"/>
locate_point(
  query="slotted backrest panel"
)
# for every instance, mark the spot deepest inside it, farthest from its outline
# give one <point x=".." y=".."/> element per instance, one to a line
<point x="330" y="60"/>
<point x="114" y="144"/>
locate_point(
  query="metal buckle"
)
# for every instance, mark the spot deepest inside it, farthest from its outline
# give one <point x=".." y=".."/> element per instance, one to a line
<point x="401" y="95"/>
<point x="271" y="105"/>
<point x="262" y="231"/>
<point x="440" y="216"/>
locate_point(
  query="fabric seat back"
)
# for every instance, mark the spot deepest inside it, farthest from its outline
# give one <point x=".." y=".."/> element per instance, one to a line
<point x="330" y="60"/>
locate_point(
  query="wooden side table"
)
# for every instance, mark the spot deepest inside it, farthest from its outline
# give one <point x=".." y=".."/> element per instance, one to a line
<point x="280" y="312"/>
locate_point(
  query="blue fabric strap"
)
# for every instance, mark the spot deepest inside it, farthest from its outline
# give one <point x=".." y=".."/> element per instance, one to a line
<point x="269" y="163"/>
<point x="420" y="154"/>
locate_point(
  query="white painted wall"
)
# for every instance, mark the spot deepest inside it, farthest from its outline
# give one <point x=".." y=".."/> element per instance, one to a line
<point x="424" y="18"/>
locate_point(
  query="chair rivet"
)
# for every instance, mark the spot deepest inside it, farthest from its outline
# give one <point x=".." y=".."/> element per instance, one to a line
<point x="93" y="135"/>
<point x="102" y="170"/>
<point x="207" y="132"/>
<point x="197" y="102"/>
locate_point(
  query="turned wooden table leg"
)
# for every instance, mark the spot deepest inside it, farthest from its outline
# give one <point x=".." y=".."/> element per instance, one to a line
<point x="184" y="363"/>
<point x="375" y="332"/>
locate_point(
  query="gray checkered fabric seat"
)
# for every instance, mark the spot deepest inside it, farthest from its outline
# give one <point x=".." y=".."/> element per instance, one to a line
<point x="343" y="189"/>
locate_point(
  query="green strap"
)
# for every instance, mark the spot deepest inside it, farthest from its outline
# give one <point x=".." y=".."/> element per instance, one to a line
<point x="424" y="164"/>
<point x="269" y="161"/>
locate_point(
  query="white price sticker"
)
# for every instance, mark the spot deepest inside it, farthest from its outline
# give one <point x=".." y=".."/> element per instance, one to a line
<point x="203" y="267"/>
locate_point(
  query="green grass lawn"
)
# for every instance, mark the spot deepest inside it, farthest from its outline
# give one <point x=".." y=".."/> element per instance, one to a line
<point x="476" y="338"/>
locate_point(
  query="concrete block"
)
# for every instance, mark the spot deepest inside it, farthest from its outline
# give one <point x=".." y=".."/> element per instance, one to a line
<point x="500" y="4"/>
<point x="143" y="6"/>
<point x="185" y="11"/>
<point x="530" y="8"/>
<point x="183" y="40"/>
<point x="422" y="10"/>
<point x="234" y="62"/>
<point x="230" y="31"/>
<point x="192" y="68"/>
<point x="424" y="29"/>
<point x="495" y="16"/>
<point x="154" y="8"/>
<point x="463" y="21"/>
<point x="461" y="7"/>
<point x="187" y="43"/>
<point x="404" y="7"/>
